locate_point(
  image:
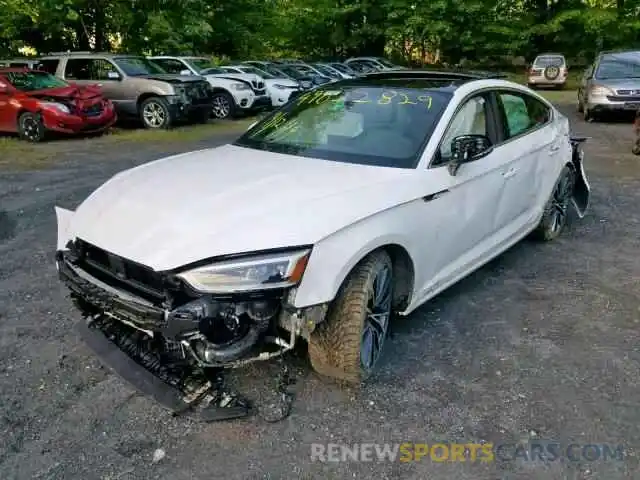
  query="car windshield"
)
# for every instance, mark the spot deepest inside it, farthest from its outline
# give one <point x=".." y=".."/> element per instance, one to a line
<point x="212" y="71"/>
<point x="256" y="71"/>
<point x="326" y="71"/>
<point x="385" y="62"/>
<point x="199" y="64"/>
<point x="342" y="68"/>
<point x="619" y="66"/>
<point x="548" y="61"/>
<point x="353" y="123"/>
<point x="31" y="81"/>
<point x="304" y="69"/>
<point x="138" y="66"/>
<point x="291" y="72"/>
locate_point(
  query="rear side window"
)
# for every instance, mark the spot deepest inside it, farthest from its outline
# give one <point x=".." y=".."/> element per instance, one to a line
<point x="88" y="69"/>
<point x="521" y="113"/>
<point x="49" y="66"/>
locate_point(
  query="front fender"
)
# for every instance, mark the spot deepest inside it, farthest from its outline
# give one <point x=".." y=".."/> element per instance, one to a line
<point x="335" y="256"/>
<point x="581" y="190"/>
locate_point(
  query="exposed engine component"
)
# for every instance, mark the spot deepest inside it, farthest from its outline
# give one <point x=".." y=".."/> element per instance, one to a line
<point x="216" y="332"/>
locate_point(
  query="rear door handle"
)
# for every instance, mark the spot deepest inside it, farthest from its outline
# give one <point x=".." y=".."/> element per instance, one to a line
<point x="510" y="173"/>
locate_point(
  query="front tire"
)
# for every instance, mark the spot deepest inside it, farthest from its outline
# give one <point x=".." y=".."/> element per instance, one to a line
<point x="348" y="345"/>
<point x="31" y="128"/>
<point x="556" y="211"/>
<point x="155" y="114"/>
<point x="223" y="105"/>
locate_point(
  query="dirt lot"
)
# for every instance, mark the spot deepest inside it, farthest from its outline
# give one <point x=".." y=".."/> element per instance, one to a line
<point x="542" y="343"/>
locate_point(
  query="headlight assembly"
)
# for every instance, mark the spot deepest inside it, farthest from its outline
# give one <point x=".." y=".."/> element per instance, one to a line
<point x="253" y="273"/>
<point x="240" y="86"/>
<point x="56" y="106"/>
<point x="599" y="90"/>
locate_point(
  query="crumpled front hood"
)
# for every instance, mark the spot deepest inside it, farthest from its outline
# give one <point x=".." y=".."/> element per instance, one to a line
<point x="231" y="199"/>
<point x="70" y="92"/>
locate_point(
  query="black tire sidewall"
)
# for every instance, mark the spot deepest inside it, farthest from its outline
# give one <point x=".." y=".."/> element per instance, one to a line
<point x="38" y="120"/>
<point x="543" y="231"/>
<point x="232" y="105"/>
<point x="164" y="105"/>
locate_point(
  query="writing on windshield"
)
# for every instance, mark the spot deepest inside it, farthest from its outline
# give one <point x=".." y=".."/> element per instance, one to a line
<point x="353" y="124"/>
<point x="31" y="81"/>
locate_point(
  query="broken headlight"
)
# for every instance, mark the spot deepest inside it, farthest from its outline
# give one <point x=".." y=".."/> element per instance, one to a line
<point x="260" y="272"/>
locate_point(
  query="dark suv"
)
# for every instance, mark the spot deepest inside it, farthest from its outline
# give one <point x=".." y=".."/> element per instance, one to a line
<point x="136" y="86"/>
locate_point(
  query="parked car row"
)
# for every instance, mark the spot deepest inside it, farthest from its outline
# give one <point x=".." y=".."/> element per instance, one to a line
<point x="50" y="93"/>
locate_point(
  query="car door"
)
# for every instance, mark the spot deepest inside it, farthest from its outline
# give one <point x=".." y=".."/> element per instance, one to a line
<point x="7" y="110"/>
<point x="469" y="198"/>
<point x="529" y="138"/>
<point x="97" y="71"/>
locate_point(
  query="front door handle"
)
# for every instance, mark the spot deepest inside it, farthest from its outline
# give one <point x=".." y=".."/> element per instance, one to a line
<point x="554" y="149"/>
<point x="510" y="173"/>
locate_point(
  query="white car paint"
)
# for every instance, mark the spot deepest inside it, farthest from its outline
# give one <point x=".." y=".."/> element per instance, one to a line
<point x="278" y="89"/>
<point x="241" y="91"/>
<point x="231" y="199"/>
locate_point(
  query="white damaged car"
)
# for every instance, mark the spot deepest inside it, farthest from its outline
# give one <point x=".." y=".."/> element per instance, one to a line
<point x="279" y="89"/>
<point x="233" y="93"/>
<point x="354" y="202"/>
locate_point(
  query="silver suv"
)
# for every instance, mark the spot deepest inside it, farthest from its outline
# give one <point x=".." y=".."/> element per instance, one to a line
<point x="136" y="86"/>
<point x="549" y="70"/>
<point x="610" y="84"/>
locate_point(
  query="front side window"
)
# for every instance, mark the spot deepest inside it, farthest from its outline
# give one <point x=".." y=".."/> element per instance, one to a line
<point x="368" y="125"/>
<point x="34" y="80"/>
<point x="471" y="119"/>
<point x="522" y="112"/>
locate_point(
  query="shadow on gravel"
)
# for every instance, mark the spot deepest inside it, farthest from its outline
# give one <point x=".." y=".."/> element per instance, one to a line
<point x="7" y="226"/>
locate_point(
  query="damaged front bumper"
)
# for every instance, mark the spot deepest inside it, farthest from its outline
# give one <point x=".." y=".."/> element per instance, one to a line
<point x="168" y="342"/>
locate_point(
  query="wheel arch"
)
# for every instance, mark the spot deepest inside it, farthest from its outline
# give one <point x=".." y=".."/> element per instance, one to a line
<point x="144" y="96"/>
<point x="321" y="267"/>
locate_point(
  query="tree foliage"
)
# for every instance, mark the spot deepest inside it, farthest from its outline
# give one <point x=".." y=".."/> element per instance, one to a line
<point x="476" y="31"/>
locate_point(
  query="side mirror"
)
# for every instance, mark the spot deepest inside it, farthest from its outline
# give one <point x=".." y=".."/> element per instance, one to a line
<point x="113" y="75"/>
<point x="4" y="88"/>
<point x="468" y="148"/>
<point x="185" y="72"/>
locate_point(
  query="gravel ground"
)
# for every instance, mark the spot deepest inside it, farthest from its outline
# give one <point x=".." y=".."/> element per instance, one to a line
<point x="543" y="343"/>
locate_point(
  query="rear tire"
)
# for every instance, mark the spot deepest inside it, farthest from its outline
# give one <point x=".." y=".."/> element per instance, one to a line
<point x="556" y="211"/>
<point x="348" y="345"/>
<point x="31" y="128"/>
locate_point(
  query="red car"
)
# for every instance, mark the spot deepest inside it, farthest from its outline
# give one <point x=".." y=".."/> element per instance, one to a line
<point x="33" y="103"/>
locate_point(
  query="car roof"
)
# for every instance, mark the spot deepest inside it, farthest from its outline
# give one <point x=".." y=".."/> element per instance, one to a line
<point x="454" y="77"/>
<point x="16" y="70"/>
<point x="619" y="52"/>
